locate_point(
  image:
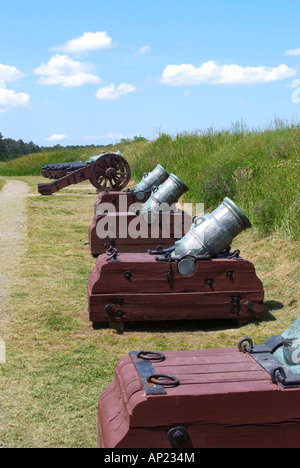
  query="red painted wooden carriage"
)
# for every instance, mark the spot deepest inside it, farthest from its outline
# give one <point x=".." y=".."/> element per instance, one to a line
<point x="121" y="200"/>
<point x="197" y="278"/>
<point x="117" y="227"/>
<point x="140" y="287"/>
<point x="217" y="398"/>
<point x="135" y="221"/>
<point x="106" y="172"/>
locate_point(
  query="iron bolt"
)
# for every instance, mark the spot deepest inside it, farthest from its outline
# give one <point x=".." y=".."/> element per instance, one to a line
<point x="209" y="281"/>
<point x="178" y="436"/>
<point x="236" y="299"/>
<point x="119" y="313"/>
<point x="128" y="276"/>
<point x="235" y="310"/>
<point x="108" y="309"/>
<point x="249" y="304"/>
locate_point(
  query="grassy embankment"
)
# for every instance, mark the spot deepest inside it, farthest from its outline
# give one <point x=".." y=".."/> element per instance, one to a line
<point x="57" y="365"/>
<point x="258" y="170"/>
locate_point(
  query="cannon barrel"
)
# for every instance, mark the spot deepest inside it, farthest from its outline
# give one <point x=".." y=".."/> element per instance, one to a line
<point x="289" y="353"/>
<point x="163" y="197"/>
<point x="214" y="232"/>
<point x="106" y="172"/>
<point x="152" y="179"/>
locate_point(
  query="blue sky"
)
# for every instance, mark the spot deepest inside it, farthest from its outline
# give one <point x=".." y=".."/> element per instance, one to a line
<point x="74" y="72"/>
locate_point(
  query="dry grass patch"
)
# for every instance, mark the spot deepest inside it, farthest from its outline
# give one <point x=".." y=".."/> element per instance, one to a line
<point x="2" y="183"/>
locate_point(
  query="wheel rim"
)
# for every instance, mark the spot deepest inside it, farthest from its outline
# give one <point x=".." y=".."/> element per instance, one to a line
<point x="110" y="172"/>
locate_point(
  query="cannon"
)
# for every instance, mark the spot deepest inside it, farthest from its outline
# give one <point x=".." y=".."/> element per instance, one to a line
<point x="243" y="397"/>
<point x="198" y="277"/>
<point x="106" y="172"/>
<point x="288" y="351"/>
<point x="152" y="220"/>
<point x="56" y="171"/>
<point x="122" y="200"/>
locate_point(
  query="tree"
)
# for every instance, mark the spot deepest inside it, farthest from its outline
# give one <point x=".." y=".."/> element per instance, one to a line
<point x="32" y="148"/>
<point x="138" y="138"/>
<point x="2" y="148"/>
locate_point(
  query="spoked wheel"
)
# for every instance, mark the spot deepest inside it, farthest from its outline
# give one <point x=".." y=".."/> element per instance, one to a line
<point x="110" y="172"/>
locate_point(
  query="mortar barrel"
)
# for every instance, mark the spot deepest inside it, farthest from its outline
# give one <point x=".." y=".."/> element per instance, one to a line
<point x="152" y="179"/>
<point x="214" y="232"/>
<point x="164" y="196"/>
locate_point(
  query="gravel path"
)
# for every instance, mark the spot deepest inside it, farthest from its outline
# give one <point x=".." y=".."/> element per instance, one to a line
<point x="12" y="236"/>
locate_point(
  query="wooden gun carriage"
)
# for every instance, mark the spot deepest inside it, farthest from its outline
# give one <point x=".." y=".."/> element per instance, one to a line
<point x="122" y="218"/>
<point x="106" y="172"/>
<point x="216" y="398"/>
<point x="179" y="283"/>
<point x="167" y="231"/>
<point x="138" y="287"/>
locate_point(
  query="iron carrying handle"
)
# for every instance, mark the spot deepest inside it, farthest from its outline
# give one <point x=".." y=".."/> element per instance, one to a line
<point x="196" y="218"/>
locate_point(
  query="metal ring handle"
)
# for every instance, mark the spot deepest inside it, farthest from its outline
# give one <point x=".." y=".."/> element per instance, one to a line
<point x="151" y="356"/>
<point x="243" y="346"/>
<point x="278" y="375"/>
<point x="164" y="380"/>
<point x="196" y="218"/>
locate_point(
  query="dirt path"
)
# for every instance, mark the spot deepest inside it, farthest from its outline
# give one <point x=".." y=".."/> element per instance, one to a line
<point x="12" y="236"/>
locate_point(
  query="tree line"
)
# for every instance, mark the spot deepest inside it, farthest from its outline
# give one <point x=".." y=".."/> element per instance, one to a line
<point x="11" y="149"/>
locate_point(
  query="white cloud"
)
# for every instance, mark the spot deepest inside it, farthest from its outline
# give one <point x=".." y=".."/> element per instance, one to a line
<point x="293" y="52"/>
<point x="8" y="73"/>
<point x="143" y="50"/>
<point x="56" y="137"/>
<point x="111" y="93"/>
<point x="9" y="100"/>
<point x="210" y="72"/>
<point x="87" y="42"/>
<point x="63" y="70"/>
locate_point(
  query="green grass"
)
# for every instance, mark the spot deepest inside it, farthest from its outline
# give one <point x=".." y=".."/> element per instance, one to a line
<point x="259" y="170"/>
<point x="32" y="164"/>
<point x="57" y="365"/>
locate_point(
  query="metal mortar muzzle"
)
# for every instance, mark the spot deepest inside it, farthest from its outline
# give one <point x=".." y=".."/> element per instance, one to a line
<point x="163" y="197"/>
<point x="150" y="180"/>
<point x="214" y="232"/>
